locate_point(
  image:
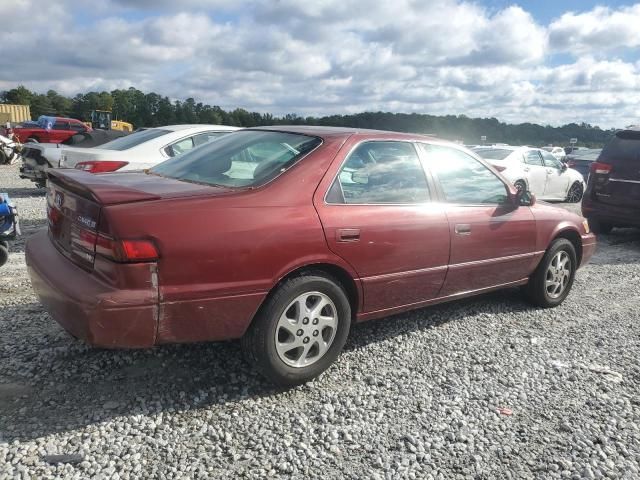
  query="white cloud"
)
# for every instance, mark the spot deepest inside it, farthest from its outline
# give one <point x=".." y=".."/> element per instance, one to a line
<point x="599" y="30"/>
<point x="333" y="56"/>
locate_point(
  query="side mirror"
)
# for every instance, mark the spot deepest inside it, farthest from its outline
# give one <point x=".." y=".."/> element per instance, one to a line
<point x="563" y="167"/>
<point x="360" y="177"/>
<point x="524" y="198"/>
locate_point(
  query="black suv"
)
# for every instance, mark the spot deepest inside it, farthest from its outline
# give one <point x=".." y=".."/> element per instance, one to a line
<point x="612" y="198"/>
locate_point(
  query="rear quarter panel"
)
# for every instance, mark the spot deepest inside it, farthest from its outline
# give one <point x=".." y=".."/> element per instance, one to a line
<point x="221" y="255"/>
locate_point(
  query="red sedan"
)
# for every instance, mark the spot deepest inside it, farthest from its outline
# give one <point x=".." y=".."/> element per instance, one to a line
<point x="61" y="129"/>
<point x="285" y="236"/>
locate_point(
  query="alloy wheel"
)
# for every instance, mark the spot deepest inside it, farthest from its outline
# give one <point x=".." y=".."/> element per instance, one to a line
<point x="558" y="275"/>
<point x="306" y="329"/>
<point x="575" y="193"/>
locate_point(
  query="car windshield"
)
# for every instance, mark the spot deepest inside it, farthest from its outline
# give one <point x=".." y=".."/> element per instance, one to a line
<point x="493" y="153"/>
<point x="242" y="159"/>
<point x="135" y="139"/>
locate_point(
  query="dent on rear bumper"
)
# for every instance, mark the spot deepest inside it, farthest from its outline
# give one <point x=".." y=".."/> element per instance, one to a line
<point x="88" y="308"/>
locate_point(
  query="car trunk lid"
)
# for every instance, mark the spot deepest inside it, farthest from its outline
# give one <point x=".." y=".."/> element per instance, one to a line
<point x="76" y="199"/>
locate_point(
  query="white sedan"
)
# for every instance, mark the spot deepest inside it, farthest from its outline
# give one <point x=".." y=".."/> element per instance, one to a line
<point x="557" y="152"/>
<point x="142" y="149"/>
<point x="536" y="170"/>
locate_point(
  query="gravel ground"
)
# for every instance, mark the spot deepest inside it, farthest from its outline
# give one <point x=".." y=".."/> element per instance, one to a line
<point x="483" y="388"/>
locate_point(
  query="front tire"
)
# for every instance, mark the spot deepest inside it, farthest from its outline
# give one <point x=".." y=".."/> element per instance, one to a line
<point x="300" y="329"/>
<point x="552" y="281"/>
<point x="574" y="195"/>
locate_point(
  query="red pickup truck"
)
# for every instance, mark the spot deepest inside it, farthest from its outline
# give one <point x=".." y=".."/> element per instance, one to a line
<point x="61" y="129"/>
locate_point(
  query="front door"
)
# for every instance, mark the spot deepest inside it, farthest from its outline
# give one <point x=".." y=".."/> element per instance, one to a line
<point x="557" y="179"/>
<point x="492" y="241"/>
<point x="535" y="172"/>
<point x="378" y="215"/>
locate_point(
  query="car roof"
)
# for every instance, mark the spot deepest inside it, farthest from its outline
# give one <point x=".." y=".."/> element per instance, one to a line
<point x="204" y="126"/>
<point x="320" y="131"/>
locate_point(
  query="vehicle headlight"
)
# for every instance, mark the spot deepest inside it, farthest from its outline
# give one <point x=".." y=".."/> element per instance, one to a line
<point x="585" y="224"/>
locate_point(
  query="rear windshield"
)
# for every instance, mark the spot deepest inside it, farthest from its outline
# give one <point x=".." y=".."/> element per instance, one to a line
<point x="623" y="148"/>
<point x="241" y="159"/>
<point x="493" y="153"/>
<point x="135" y="139"/>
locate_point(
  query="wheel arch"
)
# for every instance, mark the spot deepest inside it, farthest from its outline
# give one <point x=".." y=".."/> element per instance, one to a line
<point x="345" y="278"/>
<point x="576" y="240"/>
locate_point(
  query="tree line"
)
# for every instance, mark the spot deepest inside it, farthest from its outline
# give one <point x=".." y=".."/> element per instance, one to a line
<point x="152" y="110"/>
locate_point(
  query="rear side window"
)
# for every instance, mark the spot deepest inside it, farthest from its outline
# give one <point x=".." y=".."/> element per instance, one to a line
<point x="623" y="149"/>
<point x="532" y="157"/>
<point x="135" y="139"/>
<point x="493" y="153"/>
<point x="179" y="147"/>
<point x="61" y="126"/>
<point x="381" y="173"/>
<point x="206" y="137"/>
<point x="464" y="180"/>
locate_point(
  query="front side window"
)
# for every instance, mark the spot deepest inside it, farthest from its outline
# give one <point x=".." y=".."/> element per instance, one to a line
<point x="381" y="173"/>
<point x="532" y="157"/>
<point x="551" y="161"/>
<point x="247" y="158"/>
<point x="464" y="180"/>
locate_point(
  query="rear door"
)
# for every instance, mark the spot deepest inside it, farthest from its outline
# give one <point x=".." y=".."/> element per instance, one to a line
<point x="622" y="186"/>
<point x="535" y="171"/>
<point x="492" y="241"/>
<point x="378" y="215"/>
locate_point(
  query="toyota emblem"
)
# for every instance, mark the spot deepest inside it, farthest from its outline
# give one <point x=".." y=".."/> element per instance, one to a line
<point x="58" y="200"/>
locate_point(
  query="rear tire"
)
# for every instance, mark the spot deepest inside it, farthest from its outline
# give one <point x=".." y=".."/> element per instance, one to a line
<point x="599" y="227"/>
<point x="575" y="193"/>
<point x="4" y="254"/>
<point x="292" y="338"/>
<point x="552" y="280"/>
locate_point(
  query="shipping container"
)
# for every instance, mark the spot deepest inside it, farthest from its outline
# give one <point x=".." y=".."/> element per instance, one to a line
<point x="14" y="113"/>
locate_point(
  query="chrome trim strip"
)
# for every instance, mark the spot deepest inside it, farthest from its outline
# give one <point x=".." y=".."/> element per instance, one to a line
<point x="620" y="180"/>
<point x="407" y="273"/>
<point x="475" y="263"/>
<point x="490" y="261"/>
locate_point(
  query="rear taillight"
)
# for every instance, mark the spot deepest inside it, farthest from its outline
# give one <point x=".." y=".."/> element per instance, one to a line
<point x="86" y="242"/>
<point x="100" y="166"/>
<point x="600" y="168"/>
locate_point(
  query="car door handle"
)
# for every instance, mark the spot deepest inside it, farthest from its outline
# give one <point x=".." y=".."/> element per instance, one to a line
<point x="549" y="171"/>
<point x="348" y="234"/>
<point x="463" y="229"/>
<point x="526" y="169"/>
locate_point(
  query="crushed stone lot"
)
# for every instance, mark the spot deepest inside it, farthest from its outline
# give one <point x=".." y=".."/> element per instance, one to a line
<point x="483" y="388"/>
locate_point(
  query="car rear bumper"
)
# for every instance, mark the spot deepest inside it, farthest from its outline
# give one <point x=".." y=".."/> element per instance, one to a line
<point x="588" y="248"/>
<point x="614" y="214"/>
<point x="89" y="309"/>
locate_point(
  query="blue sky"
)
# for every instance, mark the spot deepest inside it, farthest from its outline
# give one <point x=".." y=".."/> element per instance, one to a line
<point x="549" y="62"/>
